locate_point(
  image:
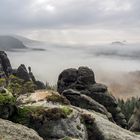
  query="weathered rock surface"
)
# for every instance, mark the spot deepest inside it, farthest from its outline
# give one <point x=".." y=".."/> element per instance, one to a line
<point x="103" y="97"/>
<point x="56" y="123"/>
<point x="42" y="98"/>
<point x="12" y="131"/>
<point x="99" y="128"/>
<point x="83" y="81"/>
<point x="83" y="101"/>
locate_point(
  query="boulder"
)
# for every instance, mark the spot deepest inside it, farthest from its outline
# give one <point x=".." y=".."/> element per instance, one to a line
<point x="12" y="131"/>
<point x="22" y="73"/>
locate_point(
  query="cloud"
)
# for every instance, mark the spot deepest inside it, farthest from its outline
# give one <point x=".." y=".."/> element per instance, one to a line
<point x="37" y="15"/>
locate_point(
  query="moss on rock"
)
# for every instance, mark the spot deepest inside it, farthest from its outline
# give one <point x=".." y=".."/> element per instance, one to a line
<point x="58" y="113"/>
<point x="56" y="98"/>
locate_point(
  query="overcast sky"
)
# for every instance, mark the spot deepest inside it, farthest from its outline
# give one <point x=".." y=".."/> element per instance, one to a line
<point x="79" y="21"/>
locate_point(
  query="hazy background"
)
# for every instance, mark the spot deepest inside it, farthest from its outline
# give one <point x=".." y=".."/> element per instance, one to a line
<point x="78" y="32"/>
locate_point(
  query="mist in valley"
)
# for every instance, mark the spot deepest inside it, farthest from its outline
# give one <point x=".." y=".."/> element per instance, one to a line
<point x="117" y="66"/>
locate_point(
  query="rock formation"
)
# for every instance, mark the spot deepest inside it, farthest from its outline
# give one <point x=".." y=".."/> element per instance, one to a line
<point x="83" y="81"/>
<point x="57" y="123"/>
<point x="22" y="73"/>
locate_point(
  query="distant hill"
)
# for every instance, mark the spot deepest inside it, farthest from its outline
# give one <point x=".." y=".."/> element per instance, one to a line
<point x="9" y="42"/>
<point x="26" y="40"/>
<point x="119" y="43"/>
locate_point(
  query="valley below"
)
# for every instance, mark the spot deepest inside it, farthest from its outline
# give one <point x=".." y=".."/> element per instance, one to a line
<point x="117" y="66"/>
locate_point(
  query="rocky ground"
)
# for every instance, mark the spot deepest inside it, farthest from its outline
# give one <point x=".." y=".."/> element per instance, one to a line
<point x="80" y="109"/>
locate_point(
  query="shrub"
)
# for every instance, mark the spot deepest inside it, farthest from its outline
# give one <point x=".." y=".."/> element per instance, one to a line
<point x="28" y="87"/>
<point x="2" y="82"/>
<point x="58" y="113"/>
<point x="57" y="98"/>
<point x="128" y="106"/>
<point x="7" y="99"/>
<point x="25" y="113"/>
<point x="18" y="86"/>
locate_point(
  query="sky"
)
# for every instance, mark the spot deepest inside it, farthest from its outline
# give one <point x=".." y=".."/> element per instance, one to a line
<point x="72" y="21"/>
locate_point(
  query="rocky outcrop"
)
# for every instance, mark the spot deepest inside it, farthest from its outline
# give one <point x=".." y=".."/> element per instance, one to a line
<point x="12" y="131"/>
<point x="22" y="73"/>
<point x="134" y="122"/>
<point x="83" y="81"/>
<point x="5" y="66"/>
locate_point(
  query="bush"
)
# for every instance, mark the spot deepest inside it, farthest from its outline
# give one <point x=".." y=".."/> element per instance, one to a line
<point x="18" y="86"/>
<point x="58" y="113"/>
<point x="2" y="82"/>
<point x="7" y="99"/>
<point x="55" y="98"/>
<point x="24" y="114"/>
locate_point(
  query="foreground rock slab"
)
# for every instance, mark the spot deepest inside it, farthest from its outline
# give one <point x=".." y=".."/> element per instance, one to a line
<point x="12" y="131"/>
